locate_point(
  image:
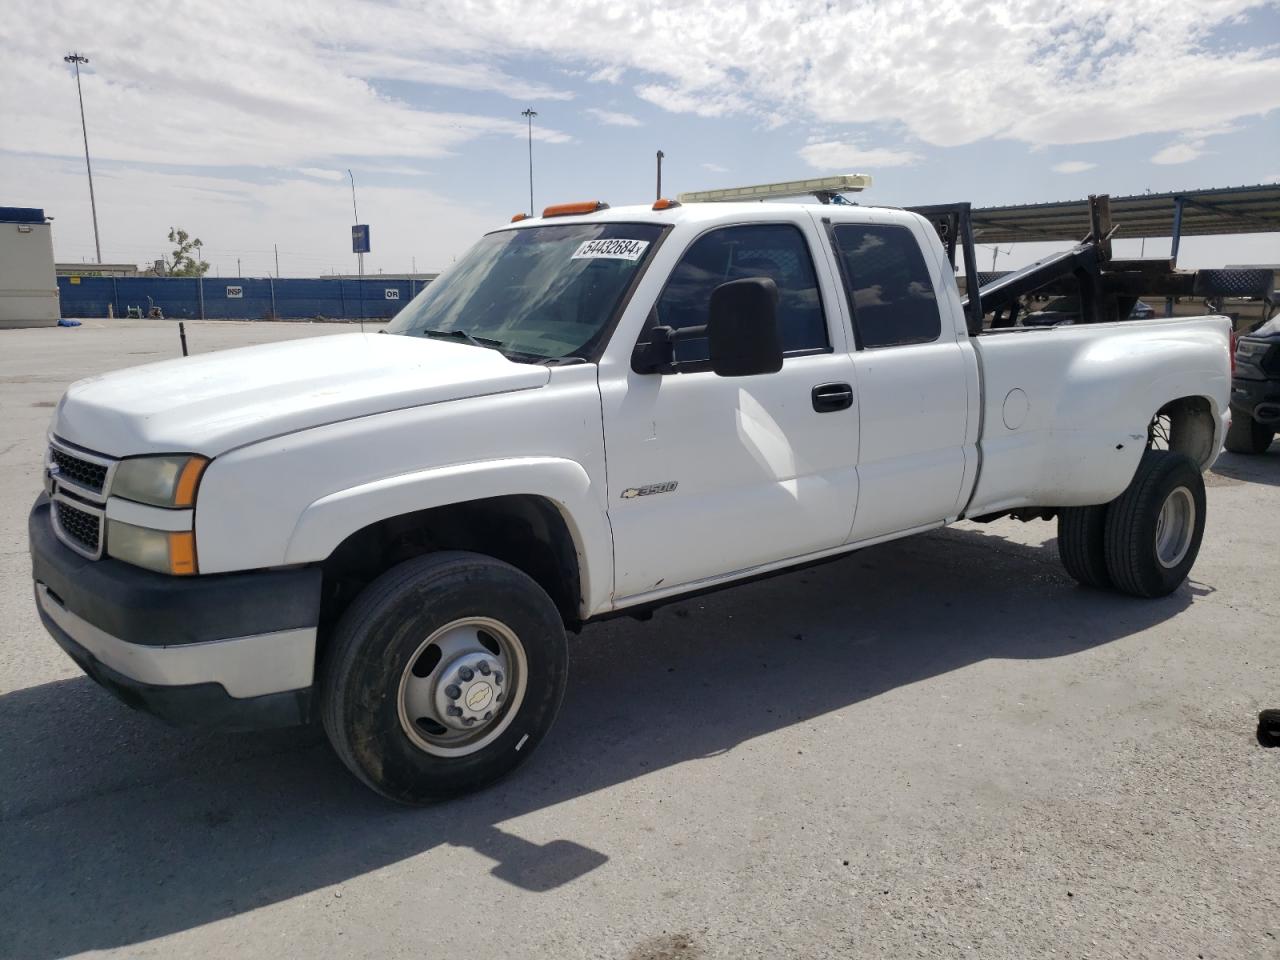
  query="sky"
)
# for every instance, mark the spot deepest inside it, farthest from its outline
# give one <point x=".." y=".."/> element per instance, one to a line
<point x="239" y="121"/>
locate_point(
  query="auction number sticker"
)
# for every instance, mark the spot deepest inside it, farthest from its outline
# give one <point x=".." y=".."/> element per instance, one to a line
<point x="613" y="249"/>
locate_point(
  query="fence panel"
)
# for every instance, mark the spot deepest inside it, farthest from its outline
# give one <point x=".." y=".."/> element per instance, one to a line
<point x="238" y="298"/>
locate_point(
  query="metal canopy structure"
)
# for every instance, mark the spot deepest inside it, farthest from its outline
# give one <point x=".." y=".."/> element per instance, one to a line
<point x="1224" y="210"/>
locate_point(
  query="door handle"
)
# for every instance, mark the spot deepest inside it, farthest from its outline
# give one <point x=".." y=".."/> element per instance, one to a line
<point x="829" y="397"/>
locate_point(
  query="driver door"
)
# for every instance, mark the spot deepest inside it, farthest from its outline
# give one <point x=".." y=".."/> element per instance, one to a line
<point x="710" y="476"/>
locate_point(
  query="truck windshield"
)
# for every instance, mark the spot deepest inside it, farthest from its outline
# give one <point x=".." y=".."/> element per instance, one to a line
<point x="540" y="293"/>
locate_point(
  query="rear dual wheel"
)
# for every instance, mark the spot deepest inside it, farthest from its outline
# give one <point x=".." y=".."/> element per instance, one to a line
<point x="1144" y="542"/>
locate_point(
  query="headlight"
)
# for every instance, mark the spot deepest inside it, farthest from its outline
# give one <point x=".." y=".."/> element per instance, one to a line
<point x="159" y="550"/>
<point x="159" y="481"/>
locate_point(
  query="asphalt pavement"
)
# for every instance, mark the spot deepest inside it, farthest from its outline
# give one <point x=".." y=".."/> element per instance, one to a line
<point x="939" y="747"/>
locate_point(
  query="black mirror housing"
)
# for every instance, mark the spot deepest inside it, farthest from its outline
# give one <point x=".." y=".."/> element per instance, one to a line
<point x="742" y="328"/>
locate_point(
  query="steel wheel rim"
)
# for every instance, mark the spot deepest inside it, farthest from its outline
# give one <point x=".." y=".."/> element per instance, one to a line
<point x="461" y="648"/>
<point x="1174" y="527"/>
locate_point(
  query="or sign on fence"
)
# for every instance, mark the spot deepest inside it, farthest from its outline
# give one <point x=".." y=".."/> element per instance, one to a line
<point x="392" y="293"/>
<point x="235" y="293"/>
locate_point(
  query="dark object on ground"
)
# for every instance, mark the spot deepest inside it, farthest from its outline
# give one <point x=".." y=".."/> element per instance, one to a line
<point x="1269" y="728"/>
<point x="68" y="323"/>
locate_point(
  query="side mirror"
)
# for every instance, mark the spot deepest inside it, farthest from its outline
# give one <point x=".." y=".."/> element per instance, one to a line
<point x="742" y="328"/>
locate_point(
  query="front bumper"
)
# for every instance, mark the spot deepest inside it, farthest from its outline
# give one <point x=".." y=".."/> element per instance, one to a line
<point x="234" y="651"/>
<point x="1257" y="399"/>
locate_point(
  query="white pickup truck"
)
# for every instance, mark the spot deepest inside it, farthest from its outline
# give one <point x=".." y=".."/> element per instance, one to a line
<point x="595" y="411"/>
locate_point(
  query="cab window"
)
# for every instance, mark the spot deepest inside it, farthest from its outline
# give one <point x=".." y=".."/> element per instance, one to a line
<point x="888" y="285"/>
<point x="774" y="250"/>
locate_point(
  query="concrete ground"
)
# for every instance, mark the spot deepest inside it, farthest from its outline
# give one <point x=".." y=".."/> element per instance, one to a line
<point x="940" y="747"/>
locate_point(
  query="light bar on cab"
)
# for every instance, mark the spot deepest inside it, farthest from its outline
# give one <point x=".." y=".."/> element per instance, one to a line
<point x="846" y="183"/>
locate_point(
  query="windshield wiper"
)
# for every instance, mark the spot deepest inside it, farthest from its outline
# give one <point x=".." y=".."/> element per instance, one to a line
<point x="461" y="335"/>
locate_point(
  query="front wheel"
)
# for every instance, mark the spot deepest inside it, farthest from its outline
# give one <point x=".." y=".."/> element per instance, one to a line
<point x="443" y="676"/>
<point x="1153" y="529"/>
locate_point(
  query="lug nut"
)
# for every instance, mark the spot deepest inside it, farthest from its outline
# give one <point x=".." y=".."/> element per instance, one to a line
<point x="484" y="668"/>
<point x="453" y="711"/>
<point x="468" y="720"/>
<point x="497" y="677"/>
<point x="466" y="673"/>
<point x="498" y="698"/>
<point x="489" y="715"/>
<point x="453" y="691"/>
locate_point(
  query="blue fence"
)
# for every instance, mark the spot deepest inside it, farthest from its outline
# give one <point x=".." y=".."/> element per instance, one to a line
<point x="242" y="298"/>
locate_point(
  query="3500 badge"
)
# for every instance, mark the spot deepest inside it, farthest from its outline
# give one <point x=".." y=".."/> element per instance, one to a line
<point x="632" y="492"/>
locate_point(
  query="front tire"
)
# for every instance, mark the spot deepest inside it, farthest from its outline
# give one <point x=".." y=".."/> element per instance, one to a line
<point x="1247" y="435"/>
<point x="443" y="676"/>
<point x="1154" y="528"/>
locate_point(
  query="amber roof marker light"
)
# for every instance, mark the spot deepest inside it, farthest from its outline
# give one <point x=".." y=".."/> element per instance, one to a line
<point x="519" y="216"/>
<point x="662" y="203"/>
<point x="574" y="209"/>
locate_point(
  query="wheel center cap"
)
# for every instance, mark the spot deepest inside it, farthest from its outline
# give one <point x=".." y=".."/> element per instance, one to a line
<point x="479" y="695"/>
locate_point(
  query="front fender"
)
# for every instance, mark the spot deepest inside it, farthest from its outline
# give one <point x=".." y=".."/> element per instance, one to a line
<point x="328" y="521"/>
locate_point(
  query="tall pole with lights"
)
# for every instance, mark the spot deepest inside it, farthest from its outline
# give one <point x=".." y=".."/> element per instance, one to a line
<point x="529" y="113"/>
<point x="75" y="59"/>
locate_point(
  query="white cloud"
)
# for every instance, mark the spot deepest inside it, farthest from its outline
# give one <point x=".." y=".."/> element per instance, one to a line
<point x="715" y="168"/>
<point x="853" y="158"/>
<point x="1182" y="152"/>
<point x="606" y="75"/>
<point x="613" y="118"/>
<point x="467" y="75"/>
<point x="321" y="174"/>
<point x="1066" y="73"/>
<point x="1073" y="166"/>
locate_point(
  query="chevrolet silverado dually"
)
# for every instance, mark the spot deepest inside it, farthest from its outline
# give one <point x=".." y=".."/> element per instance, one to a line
<point x="594" y="412"/>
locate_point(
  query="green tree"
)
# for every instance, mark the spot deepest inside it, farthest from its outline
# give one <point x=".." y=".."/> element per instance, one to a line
<point x="181" y="263"/>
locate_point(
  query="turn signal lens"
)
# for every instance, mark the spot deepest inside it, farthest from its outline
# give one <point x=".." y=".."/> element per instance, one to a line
<point x="574" y="209"/>
<point x="188" y="480"/>
<point x="182" y="553"/>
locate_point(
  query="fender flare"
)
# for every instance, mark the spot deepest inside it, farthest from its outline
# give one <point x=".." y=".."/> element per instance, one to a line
<point x="328" y="521"/>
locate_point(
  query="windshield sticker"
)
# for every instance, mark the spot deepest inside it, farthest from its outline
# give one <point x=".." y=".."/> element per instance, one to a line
<point x="615" y="249"/>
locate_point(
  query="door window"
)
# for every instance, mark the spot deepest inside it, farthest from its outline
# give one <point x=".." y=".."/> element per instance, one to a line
<point x="774" y="250"/>
<point x="888" y="285"/>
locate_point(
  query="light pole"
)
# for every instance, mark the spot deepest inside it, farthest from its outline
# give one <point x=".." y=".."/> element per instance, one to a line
<point x="355" y="212"/>
<point x="75" y="60"/>
<point x="529" y="113"/>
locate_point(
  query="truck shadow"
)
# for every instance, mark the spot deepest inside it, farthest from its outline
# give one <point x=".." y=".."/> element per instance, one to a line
<point x="115" y="830"/>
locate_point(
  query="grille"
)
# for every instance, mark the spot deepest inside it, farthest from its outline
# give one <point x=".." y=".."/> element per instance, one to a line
<point x="80" y="525"/>
<point x="89" y="475"/>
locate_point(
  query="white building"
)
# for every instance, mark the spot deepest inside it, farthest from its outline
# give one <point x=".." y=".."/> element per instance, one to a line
<point x="28" y="289"/>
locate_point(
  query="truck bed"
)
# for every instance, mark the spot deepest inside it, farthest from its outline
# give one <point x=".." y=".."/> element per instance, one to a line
<point x="1065" y="409"/>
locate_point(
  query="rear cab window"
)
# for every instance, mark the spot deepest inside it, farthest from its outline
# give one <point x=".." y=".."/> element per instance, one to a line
<point x="891" y="296"/>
